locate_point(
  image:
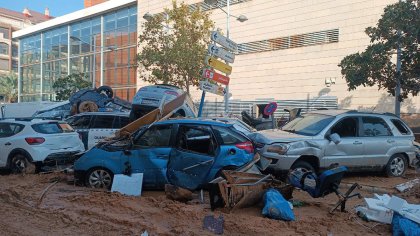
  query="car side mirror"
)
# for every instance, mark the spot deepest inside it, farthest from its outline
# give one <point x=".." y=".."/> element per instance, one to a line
<point x="335" y="138"/>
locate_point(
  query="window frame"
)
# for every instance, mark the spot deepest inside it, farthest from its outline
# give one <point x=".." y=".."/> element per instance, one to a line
<point x="138" y="146"/>
<point x="206" y="128"/>
<point x="402" y="123"/>
<point x="14" y="133"/>
<point x="361" y="132"/>
<point x="358" y="124"/>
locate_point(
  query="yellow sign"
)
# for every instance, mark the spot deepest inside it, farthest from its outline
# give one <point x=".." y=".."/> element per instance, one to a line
<point x="218" y="65"/>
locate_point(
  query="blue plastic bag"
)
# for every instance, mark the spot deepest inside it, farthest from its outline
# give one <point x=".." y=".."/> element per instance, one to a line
<point x="276" y="207"/>
<point x="402" y="226"/>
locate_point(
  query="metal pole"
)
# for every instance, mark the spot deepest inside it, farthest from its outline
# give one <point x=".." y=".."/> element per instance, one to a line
<point x="200" y="109"/>
<point x="398" y="81"/>
<point x="227" y="35"/>
<point x="398" y="85"/>
<point x="94" y="63"/>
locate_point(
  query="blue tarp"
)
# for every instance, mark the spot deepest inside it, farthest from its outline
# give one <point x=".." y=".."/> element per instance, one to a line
<point x="402" y="226"/>
<point x="276" y="207"/>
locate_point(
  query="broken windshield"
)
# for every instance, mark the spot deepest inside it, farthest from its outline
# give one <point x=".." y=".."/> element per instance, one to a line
<point x="310" y="124"/>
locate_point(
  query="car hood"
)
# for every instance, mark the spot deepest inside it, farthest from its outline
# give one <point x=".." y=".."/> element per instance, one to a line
<point x="276" y="136"/>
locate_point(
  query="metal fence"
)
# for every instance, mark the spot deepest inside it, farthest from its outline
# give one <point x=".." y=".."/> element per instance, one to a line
<point x="216" y="107"/>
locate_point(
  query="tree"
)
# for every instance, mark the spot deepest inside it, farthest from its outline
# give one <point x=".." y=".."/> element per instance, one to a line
<point x="64" y="87"/>
<point x="174" y="45"/>
<point x="399" y="25"/>
<point x="9" y="87"/>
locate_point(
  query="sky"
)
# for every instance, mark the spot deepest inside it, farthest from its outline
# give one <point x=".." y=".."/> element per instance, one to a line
<point x="57" y="7"/>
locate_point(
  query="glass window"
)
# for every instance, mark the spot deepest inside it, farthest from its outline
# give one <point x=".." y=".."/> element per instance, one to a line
<point x="196" y="139"/>
<point x="155" y="136"/>
<point x="5" y="32"/>
<point x="9" y="129"/>
<point x="400" y="126"/>
<point x="79" y="122"/>
<point x="375" y="126"/>
<point x="310" y="124"/>
<point x="4" y="64"/>
<point x="103" y="122"/>
<point x="346" y="127"/>
<point x="228" y="136"/>
<point x="49" y="128"/>
<point x="4" y="48"/>
<point x="121" y="121"/>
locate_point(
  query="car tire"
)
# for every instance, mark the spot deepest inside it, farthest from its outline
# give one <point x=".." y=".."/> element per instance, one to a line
<point x="397" y="165"/>
<point x="303" y="165"/>
<point x="105" y="90"/>
<point x="99" y="178"/>
<point x="21" y="164"/>
<point x="87" y="106"/>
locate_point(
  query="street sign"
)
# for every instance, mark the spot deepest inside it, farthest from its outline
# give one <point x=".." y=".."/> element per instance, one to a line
<point x="270" y="108"/>
<point x="225" y="42"/>
<point x="213" y="75"/>
<point x="221" y="53"/>
<point x="212" y="88"/>
<point x="218" y="65"/>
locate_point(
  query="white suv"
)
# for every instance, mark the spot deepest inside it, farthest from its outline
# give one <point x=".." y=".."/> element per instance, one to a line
<point x="29" y="143"/>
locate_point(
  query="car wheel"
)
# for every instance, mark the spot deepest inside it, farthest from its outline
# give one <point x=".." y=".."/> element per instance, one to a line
<point x="88" y="106"/>
<point x="397" y="165"/>
<point x="99" y="178"/>
<point x="303" y="166"/>
<point x="105" y="90"/>
<point x="20" y="164"/>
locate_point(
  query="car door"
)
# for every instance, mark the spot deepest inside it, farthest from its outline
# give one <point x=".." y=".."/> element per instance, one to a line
<point x="378" y="140"/>
<point x="101" y="127"/>
<point x="193" y="156"/>
<point x="7" y="143"/>
<point x="349" y="152"/>
<point x="150" y="154"/>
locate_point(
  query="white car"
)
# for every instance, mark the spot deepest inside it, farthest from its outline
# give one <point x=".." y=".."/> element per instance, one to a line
<point x="29" y="143"/>
<point x="95" y="126"/>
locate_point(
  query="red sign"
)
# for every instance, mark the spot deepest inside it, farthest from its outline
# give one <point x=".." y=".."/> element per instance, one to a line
<point x="270" y="109"/>
<point x="211" y="74"/>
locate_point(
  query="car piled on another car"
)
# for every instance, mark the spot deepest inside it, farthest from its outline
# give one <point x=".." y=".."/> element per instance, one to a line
<point x="29" y="143"/>
<point x="184" y="152"/>
<point x="358" y="140"/>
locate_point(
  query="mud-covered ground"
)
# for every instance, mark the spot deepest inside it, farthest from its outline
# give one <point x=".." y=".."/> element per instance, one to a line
<point x="66" y="209"/>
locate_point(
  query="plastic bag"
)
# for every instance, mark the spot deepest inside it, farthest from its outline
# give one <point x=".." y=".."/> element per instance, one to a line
<point x="402" y="226"/>
<point x="276" y="207"/>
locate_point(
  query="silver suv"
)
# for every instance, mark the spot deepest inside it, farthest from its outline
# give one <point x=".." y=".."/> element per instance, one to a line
<point x="359" y="140"/>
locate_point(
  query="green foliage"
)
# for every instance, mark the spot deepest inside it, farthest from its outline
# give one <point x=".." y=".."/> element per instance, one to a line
<point x="174" y="45"/>
<point x="400" y="24"/>
<point x="9" y="87"/>
<point x="64" y="87"/>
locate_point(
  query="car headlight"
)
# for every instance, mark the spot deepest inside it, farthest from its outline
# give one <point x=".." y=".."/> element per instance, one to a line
<point x="278" y="148"/>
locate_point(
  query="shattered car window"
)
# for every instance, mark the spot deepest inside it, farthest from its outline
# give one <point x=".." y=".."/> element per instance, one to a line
<point x="196" y="139"/>
<point x="155" y="136"/>
<point x="310" y="124"/>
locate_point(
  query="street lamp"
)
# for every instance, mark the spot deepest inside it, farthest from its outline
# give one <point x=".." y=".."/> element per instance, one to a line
<point x="111" y="48"/>
<point x="240" y="18"/>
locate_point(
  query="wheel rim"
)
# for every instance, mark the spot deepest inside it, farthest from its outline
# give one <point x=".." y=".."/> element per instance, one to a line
<point x="100" y="179"/>
<point x="397" y="166"/>
<point x="19" y="164"/>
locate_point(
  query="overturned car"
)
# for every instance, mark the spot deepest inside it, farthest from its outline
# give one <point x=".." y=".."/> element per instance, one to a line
<point x="184" y="152"/>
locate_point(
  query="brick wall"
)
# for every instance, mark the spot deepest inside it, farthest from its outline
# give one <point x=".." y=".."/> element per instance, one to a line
<point x="89" y="3"/>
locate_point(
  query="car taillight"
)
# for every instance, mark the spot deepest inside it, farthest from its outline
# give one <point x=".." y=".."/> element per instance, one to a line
<point x="34" y="141"/>
<point x="247" y="146"/>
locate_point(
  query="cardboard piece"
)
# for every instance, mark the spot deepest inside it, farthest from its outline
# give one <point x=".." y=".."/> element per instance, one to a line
<point x="409" y="211"/>
<point x="128" y="185"/>
<point x="375" y="209"/>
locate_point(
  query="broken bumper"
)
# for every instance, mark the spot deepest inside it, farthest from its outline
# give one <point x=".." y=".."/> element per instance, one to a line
<point x="60" y="158"/>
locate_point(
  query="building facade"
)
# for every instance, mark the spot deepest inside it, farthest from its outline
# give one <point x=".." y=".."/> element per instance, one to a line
<point x="288" y="50"/>
<point x="291" y="49"/>
<point x="89" y="3"/>
<point x="11" y="21"/>
<point x="99" y="41"/>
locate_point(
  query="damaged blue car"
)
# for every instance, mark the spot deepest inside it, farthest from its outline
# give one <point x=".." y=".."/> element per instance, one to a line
<point x="185" y="152"/>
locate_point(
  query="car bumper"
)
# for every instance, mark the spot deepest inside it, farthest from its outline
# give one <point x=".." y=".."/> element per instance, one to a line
<point x="60" y="158"/>
<point x="40" y="154"/>
<point x="281" y="163"/>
